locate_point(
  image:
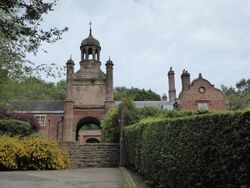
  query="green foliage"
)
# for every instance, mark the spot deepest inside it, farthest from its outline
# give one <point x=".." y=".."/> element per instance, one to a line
<point x="21" y="32"/>
<point x="26" y="117"/>
<point x="209" y="150"/>
<point x="32" y="89"/>
<point x="34" y="153"/>
<point x="15" y="127"/>
<point x="135" y="94"/>
<point x="90" y="126"/>
<point x="238" y="96"/>
<point x="111" y="127"/>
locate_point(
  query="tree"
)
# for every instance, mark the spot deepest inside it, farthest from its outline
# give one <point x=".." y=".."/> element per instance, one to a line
<point x="135" y="94"/>
<point x="21" y="33"/>
<point x="31" y="88"/>
<point x="238" y="96"/>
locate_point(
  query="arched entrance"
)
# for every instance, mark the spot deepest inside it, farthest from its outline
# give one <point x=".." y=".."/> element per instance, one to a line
<point x="92" y="140"/>
<point x="88" y="129"/>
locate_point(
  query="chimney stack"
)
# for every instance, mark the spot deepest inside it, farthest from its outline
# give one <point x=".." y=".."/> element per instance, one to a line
<point x="171" y="84"/>
<point x="164" y="97"/>
<point x="185" y="79"/>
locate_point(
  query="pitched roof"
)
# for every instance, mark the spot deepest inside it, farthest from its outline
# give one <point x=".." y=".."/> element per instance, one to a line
<point x="41" y="106"/>
<point x="154" y="104"/>
<point x="58" y="106"/>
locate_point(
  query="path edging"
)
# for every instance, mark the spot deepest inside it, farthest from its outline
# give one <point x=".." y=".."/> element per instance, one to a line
<point x="128" y="179"/>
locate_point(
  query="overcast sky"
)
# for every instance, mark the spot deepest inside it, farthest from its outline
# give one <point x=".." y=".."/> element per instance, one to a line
<point x="146" y="37"/>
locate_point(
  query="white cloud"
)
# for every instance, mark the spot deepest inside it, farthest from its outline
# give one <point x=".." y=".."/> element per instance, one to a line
<point x="144" y="38"/>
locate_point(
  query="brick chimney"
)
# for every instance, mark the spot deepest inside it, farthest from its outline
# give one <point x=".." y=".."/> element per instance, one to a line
<point x="164" y="97"/>
<point x="171" y="84"/>
<point x="185" y="79"/>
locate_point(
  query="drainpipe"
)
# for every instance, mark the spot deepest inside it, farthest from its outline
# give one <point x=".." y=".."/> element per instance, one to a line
<point x="49" y="129"/>
<point x="123" y="158"/>
<point x="57" y="125"/>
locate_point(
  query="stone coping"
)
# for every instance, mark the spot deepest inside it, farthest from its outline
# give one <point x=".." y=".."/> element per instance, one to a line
<point x="90" y="144"/>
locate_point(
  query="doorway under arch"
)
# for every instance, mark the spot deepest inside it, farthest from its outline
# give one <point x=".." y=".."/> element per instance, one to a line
<point x="87" y="123"/>
<point x="92" y="140"/>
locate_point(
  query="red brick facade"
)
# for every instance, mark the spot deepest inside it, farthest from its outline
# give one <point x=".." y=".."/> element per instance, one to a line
<point x="201" y="94"/>
<point x="53" y="127"/>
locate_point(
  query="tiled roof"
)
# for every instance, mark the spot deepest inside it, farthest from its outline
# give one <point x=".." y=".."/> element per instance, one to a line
<point x="41" y="106"/>
<point x="154" y="104"/>
<point x="57" y="106"/>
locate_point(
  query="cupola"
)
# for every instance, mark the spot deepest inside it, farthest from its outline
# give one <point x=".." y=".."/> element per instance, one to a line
<point x="90" y="48"/>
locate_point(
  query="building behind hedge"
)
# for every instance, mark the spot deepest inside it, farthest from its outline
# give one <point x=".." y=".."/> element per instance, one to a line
<point x="200" y="94"/>
<point x="89" y="96"/>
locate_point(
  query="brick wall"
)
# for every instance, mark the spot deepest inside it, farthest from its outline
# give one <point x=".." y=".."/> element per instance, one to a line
<point x="92" y="155"/>
<point x="53" y="126"/>
<point x="190" y="97"/>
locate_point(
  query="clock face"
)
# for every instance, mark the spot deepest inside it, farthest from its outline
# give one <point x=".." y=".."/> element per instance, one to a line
<point x="202" y="90"/>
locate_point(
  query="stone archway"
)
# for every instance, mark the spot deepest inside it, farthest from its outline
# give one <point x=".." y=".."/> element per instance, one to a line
<point x="94" y="134"/>
<point x="92" y="140"/>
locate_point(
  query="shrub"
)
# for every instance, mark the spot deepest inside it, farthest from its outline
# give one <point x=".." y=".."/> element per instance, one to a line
<point x="110" y="124"/>
<point x="210" y="150"/>
<point x="14" y="127"/>
<point x="11" y="149"/>
<point x="44" y="154"/>
<point x="27" y="118"/>
<point x="110" y="127"/>
<point x="3" y="113"/>
<point x="34" y="153"/>
<point x="22" y="117"/>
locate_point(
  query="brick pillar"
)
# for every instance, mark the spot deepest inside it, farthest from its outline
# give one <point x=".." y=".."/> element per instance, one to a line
<point x="171" y="84"/>
<point x="68" y="104"/>
<point x="185" y="79"/>
<point x="109" y="84"/>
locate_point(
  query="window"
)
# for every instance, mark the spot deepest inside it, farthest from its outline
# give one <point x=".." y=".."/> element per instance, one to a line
<point x="202" y="89"/>
<point x="203" y="106"/>
<point x="41" y="119"/>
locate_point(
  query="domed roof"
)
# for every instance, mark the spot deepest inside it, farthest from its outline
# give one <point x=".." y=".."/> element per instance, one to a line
<point x="90" y="41"/>
<point x="70" y="62"/>
<point x="109" y="62"/>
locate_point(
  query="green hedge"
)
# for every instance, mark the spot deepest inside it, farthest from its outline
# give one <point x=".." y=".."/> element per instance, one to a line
<point x="15" y="127"/>
<point x="111" y="127"/>
<point x="210" y="150"/>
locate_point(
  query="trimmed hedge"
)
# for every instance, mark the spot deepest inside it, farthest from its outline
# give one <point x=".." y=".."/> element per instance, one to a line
<point x="13" y="127"/>
<point x="210" y="150"/>
<point x="29" y="118"/>
<point x="111" y="127"/>
<point x="31" y="153"/>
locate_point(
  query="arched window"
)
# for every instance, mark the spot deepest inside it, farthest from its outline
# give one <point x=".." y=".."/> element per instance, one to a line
<point x="90" y="53"/>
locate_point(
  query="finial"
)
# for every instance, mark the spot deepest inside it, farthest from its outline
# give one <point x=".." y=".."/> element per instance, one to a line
<point x="109" y="62"/>
<point x="90" y="29"/>
<point x="71" y="57"/>
<point x="171" y="69"/>
<point x="200" y="75"/>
